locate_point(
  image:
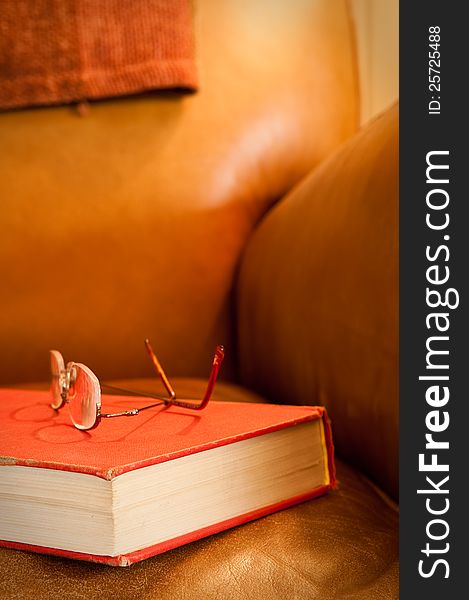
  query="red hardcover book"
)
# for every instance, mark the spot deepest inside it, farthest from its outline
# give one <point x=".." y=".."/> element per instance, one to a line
<point x="136" y="487"/>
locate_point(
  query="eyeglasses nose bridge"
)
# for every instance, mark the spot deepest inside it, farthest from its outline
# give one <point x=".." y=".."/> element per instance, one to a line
<point x="68" y="378"/>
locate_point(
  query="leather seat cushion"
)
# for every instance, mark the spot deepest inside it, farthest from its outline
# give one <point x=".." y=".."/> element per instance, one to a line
<point x="343" y="545"/>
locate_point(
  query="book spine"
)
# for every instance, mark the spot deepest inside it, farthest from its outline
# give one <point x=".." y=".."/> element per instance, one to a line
<point x="329" y="449"/>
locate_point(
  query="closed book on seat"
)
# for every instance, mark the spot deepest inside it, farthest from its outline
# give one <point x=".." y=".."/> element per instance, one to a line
<point x="135" y="487"/>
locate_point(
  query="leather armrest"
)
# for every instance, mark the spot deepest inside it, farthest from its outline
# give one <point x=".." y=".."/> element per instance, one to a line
<point x="318" y="299"/>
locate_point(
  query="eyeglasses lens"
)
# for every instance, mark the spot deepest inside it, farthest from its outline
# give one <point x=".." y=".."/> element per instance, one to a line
<point x="57" y="368"/>
<point x="84" y="396"/>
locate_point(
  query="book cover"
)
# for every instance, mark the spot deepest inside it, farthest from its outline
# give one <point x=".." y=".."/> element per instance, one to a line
<point x="34" y="435"/>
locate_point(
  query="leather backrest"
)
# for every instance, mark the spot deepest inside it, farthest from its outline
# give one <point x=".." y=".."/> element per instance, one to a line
<point x="129" y="222"/>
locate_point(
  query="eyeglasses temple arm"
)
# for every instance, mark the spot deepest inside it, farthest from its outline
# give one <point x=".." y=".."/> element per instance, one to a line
<point x="114" y="388"/>
<point x="216" y="364"/>
<point x="159" y="370"/>
<point x="132" y="411"/>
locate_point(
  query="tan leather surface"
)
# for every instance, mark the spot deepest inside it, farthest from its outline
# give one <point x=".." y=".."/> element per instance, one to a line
<point x="129" y="222"/>
<point x="340" y="546"/>
<point x="318" y="299"/>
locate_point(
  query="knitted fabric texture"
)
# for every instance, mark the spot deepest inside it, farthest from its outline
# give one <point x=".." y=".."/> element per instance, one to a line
<point x="59" y="51"/>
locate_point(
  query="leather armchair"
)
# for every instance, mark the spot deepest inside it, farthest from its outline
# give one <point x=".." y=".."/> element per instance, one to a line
<point x="253" y="214"/>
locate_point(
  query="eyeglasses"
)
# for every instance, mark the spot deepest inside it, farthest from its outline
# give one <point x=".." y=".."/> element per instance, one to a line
<point x="77" y="386"/>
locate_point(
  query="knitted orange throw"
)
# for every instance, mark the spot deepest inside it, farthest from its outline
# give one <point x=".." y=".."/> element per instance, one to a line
<point x="56" y="51"/>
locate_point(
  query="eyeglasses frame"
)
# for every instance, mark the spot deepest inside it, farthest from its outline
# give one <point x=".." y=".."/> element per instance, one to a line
<point x="68" y="380"/>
